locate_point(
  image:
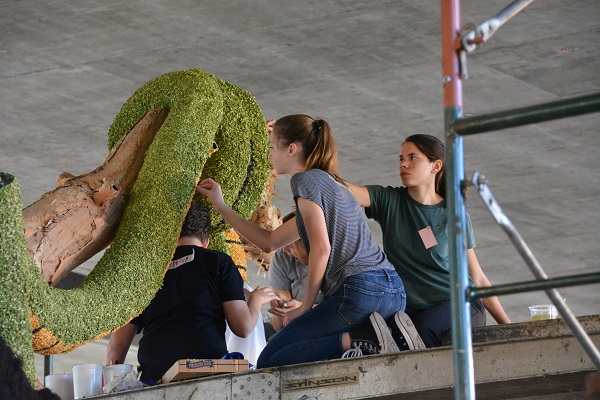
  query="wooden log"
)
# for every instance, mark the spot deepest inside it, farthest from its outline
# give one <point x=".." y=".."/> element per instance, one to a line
<point x="78" y="219"/>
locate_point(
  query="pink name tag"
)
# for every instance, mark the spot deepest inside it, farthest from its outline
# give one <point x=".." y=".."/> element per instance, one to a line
<point x="427" y="237"/>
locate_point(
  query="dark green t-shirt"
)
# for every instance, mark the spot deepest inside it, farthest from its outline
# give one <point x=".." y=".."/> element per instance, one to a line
<point x="424" y="271"/>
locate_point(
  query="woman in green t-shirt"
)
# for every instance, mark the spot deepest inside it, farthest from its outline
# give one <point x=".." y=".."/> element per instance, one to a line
<point x="413" y="221"/>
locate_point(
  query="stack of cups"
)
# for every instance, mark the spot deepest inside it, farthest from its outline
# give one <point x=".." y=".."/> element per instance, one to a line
<point x="87" y="380"/>
<point x="60" y="384"/>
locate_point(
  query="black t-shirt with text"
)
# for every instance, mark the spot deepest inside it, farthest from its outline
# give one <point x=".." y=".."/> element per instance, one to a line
<point x="186" y="318"/>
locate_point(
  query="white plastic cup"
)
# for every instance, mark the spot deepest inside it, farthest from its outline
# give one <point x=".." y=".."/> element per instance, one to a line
<point x="541" y="312"/>
<point x="87" y="380"/>
<point x="60" y="384"/>
<point x="114" y="371"/>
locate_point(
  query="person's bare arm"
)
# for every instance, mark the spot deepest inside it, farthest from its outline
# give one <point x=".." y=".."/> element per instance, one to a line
<point x="320" y="249"/>
<point x="492" y="304"/>
<point x="279" y="313"/>
<point x="361" y="193"/>
<point x="242" y="315"/>
<point x="119" y="343"/>
<point x="264" y="239"/>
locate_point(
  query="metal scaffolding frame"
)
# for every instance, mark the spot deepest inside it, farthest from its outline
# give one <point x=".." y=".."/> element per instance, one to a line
<point x="456" y="44"/>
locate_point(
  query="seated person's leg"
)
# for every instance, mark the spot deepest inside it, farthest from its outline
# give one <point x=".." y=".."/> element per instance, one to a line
<point x="478" y="313"/>
<point x="432" y="323"/>
<point x="307" y="337"/>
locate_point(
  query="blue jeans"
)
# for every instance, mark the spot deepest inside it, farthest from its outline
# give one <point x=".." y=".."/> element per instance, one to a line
<point x="317" y="334"/>
<point x="436" y="321"/>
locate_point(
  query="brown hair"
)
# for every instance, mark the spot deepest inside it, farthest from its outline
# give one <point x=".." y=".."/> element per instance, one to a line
<point x="315" y="138"/>
<point x="434" y="149"/>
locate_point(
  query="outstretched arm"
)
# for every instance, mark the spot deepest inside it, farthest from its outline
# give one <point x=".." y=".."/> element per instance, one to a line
<point x="119" y="343"/>
<point x="264" y="239"/>
<point x="360" y="193"/>
<point x="492" y="304"/>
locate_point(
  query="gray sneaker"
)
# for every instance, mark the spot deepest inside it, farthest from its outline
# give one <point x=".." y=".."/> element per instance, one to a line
<point x="386" y="341"/>
<point x="371" y="337"/>
<point x="404" y="333"/>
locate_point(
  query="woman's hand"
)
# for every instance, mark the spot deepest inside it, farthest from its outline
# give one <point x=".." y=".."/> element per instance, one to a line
<point x="260" y="296"/>
<point x="212" y="190"/>
<point x="281" y="308"/>
<point x="293" y="314"/>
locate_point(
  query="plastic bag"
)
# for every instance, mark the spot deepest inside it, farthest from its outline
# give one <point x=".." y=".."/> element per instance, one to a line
<point x="127" y="381"/>
<point x="251" y="346"/>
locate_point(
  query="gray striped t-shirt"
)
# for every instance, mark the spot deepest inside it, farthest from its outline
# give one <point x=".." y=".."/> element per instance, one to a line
<point x="353" y="249"/>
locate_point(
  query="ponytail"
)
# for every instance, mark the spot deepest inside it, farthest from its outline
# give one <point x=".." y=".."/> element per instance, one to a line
<point x="315" y="138"/>
<point x="440" y="182"/>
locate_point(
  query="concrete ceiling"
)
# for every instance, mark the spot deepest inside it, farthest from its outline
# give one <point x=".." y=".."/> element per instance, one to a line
<point x="371" y="68"/>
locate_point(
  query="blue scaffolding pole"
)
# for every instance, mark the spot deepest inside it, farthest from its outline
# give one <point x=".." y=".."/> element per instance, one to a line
<point x="456" y="44"/>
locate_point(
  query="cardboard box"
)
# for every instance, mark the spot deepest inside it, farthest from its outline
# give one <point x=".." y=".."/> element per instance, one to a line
<point x="193" y="368"/>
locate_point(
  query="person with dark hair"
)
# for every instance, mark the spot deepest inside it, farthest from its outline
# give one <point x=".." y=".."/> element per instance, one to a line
<point x="14" y="384"/>
<point x="359" y="285"/>
<point x="413" y="220"/>
<point x="201" y="290"/>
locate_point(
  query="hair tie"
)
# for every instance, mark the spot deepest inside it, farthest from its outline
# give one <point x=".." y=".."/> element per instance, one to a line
<point x="316" y="124"/>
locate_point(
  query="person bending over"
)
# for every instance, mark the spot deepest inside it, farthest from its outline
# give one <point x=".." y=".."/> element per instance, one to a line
<point x="201" y="290"/>
<point x="359" y="285"/>
<point x="287" y="277"/>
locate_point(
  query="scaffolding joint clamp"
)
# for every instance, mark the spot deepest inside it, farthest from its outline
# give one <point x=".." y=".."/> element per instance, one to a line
<point x="473" y="37"/>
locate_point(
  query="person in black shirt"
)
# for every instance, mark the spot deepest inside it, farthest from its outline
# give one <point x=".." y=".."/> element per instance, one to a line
<point x="186" y="319"/>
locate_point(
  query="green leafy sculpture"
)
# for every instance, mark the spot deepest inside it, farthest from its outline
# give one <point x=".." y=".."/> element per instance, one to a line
<point x="206" y="128"/>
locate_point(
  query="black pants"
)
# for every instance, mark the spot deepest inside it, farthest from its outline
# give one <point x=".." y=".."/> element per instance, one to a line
<point x="434" y="322"/>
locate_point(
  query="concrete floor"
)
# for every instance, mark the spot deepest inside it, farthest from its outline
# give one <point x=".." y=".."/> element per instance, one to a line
<point x="371" y="68"/>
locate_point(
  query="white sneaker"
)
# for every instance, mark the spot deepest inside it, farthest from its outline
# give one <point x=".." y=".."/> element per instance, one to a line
<point x="386" y="341"/>
<point x="355" y="352"/>
<point x="405" y="334"/>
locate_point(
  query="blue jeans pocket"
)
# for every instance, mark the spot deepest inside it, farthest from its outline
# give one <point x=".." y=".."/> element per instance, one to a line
<point x="359" y="302"/>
